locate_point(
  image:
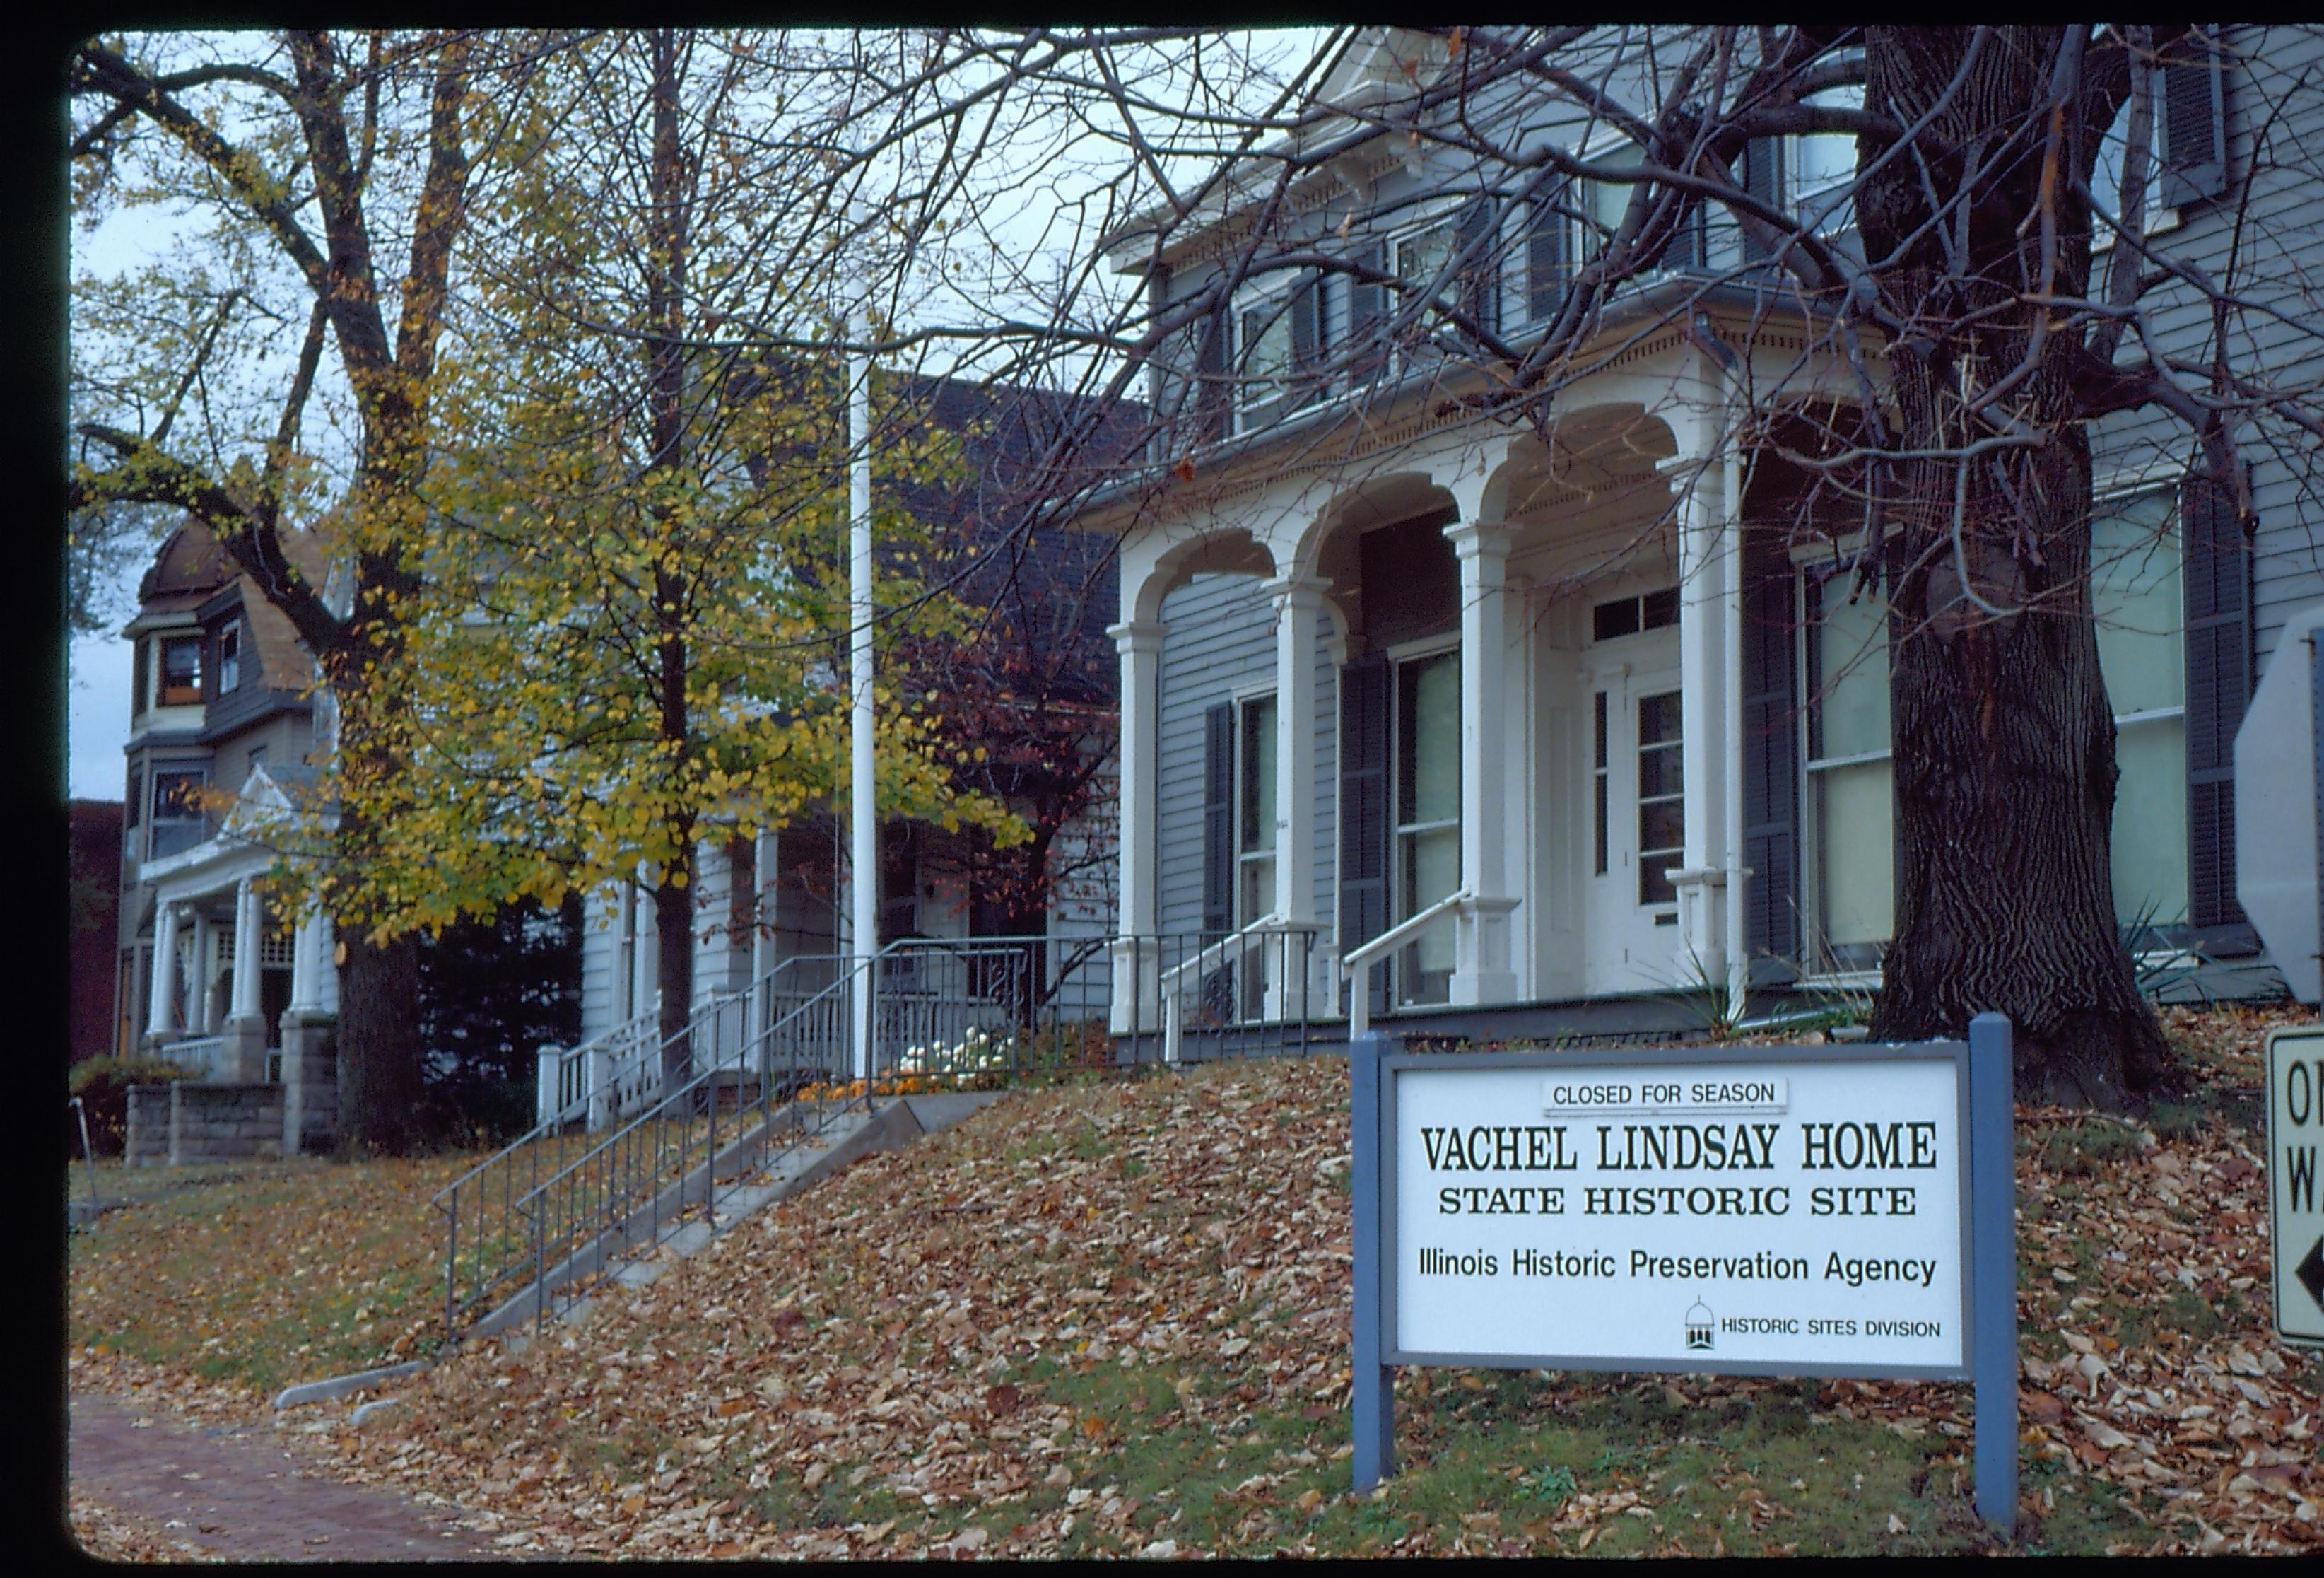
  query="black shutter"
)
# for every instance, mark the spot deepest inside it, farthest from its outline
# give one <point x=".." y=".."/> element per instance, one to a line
<point x="1770" y="758"/>
<point x="1218" y="819"/>
<point x="139" y="689"/>
<point x="1212" y="387"/>
<point x="1763" y="178"/>
<point x="1476" y="242"/>
<point x="1688" y="249"/>
<point x="1367" y="314"/>
<point x="2219" y="686"/>
<point x="1364" y="696"/>
<point x="1547" y="269"/>
<point x="2194" y="120"/>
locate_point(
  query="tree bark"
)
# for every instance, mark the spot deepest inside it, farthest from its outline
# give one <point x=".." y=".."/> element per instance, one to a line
<point x="381" y="1091"/>
<point x="2004" y="745"/>
<point x="666" y="284"/>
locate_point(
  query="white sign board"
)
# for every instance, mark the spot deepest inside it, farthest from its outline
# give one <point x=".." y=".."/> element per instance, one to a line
<point x="1806" y="1216"/>
<point x="2295" y="1151"/>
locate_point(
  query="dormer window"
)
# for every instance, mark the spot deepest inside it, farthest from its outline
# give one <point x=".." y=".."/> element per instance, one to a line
<point x="181" y="671"/>
<point x="229" y="664"/>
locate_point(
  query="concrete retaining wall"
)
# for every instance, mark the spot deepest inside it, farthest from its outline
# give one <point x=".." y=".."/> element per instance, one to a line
<point x="146" y="1140"/>
<point x="225" y="1122"/>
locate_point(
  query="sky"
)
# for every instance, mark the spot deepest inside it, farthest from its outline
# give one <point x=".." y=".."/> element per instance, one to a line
<point x="100" y="665"/>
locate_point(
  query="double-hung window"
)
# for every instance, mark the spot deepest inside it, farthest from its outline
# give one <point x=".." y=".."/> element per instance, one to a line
<point x="2135" y="603"/>
<point x="1850" y="798"/>
<point x="229" y="664"/>
<point x="177" y="822"/>
<point x="1279" y="335"/>
<point x="1255" y="737"/>
<point x="1419" y="259"/>
<point x="1427" y="816"/>
<point x="181" y="671"/>
<point x="2135" y="600"/>
<point x="1823" y="167"/>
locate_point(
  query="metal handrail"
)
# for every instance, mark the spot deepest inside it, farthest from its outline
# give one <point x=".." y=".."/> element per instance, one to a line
<point x="1357" y="961"/>
<point x="617" y="1198"/>
<point x="1236" y="946"/>
<point x="494" y="1233"/>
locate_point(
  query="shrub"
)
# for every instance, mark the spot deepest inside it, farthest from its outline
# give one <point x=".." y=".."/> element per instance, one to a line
<point x="103" y="1084"/>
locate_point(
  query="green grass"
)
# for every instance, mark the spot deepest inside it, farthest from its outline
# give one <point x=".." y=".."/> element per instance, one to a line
<point x="290" y="1272"/>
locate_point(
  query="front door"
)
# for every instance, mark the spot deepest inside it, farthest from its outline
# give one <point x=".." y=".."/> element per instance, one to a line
<point x="1635" y="820"/>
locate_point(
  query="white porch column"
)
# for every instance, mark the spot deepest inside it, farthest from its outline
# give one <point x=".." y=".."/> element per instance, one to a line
<point x="310" y="957"/>
<point x="245" y="1004"/>
<point x="645" y="954"/>
<point x="1136" y="958"/>
<point x="1710" y="615"/>
<point x="1482" y="968"/>
<point x="1298" y="626"/>
<point x="201" y="966"/>
<point x="165" y="972"/>
<point x="763" y="929"/>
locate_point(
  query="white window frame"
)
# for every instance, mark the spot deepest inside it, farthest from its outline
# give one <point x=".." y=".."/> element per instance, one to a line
<point x="1815" y="967"/>
<point x="2107" y="500"/>
<point x="1245" y="860"/>
<point x="1258" y="296"/>
<point x="1399" y="657"/>
<point x="1439" y="213"/>
<point x="2158" y="218"/>
<point x="229" y="666"/>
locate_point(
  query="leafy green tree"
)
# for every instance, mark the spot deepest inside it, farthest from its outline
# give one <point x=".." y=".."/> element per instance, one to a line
<point x="634" y="603"/>
<point x="317" y="189"/>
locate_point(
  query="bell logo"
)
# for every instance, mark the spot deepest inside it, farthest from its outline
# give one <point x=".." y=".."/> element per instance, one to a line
<point x="1701" y="1325"/>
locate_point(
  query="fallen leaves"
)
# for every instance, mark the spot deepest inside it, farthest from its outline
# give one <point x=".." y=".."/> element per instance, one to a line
<point x="861" y="1370"/>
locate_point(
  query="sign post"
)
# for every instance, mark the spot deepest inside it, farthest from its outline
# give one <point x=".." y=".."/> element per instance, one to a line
<point x="1769" y="1211"/>
<point x="1993" y="1239"/>
<point x="2295" y="1146"/>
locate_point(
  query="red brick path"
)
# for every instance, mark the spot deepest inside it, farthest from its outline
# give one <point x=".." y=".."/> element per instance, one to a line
<point x="241" y="1496"/>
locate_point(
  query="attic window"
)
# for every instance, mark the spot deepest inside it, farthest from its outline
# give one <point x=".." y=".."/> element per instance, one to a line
<point x="229" y="668"/>
<point x="181" y="671"/>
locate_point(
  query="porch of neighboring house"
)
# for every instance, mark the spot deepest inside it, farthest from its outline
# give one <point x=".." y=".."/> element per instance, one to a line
<point x="245" y="1009"/>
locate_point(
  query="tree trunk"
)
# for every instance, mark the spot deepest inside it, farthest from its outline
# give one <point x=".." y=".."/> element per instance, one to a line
<point x="665" y="399"/>
<point x="2003" y="738"/>
<point x="381" y="1091"/>
<point x="674" y="974"/>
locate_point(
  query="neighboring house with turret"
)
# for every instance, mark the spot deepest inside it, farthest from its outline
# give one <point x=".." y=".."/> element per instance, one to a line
<point x="222" y="703"/>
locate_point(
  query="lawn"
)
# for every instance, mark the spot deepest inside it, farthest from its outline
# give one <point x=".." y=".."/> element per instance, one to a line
<point x="1112" y="1319"/>
<point x="259" y="1275"/>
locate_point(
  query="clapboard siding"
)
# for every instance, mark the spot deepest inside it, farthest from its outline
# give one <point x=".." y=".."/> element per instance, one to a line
<point x="599" y="946"/>
<point x="1220" y="645"/>
<point x="2287" y="571"/>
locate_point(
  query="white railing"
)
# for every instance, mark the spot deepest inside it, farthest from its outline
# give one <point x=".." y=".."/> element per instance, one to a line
<point x="1356" y="965"/>
<point x="199" y="1056"/>
<point x="1233" y="948"/>
<point x="583" y="1081"/>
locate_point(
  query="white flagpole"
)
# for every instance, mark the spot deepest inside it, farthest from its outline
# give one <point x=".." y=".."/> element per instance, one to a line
<point x="863" y="815"/>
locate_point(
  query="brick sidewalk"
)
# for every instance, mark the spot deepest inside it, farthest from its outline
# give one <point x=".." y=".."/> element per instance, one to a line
<point x="238" y="1496"/>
